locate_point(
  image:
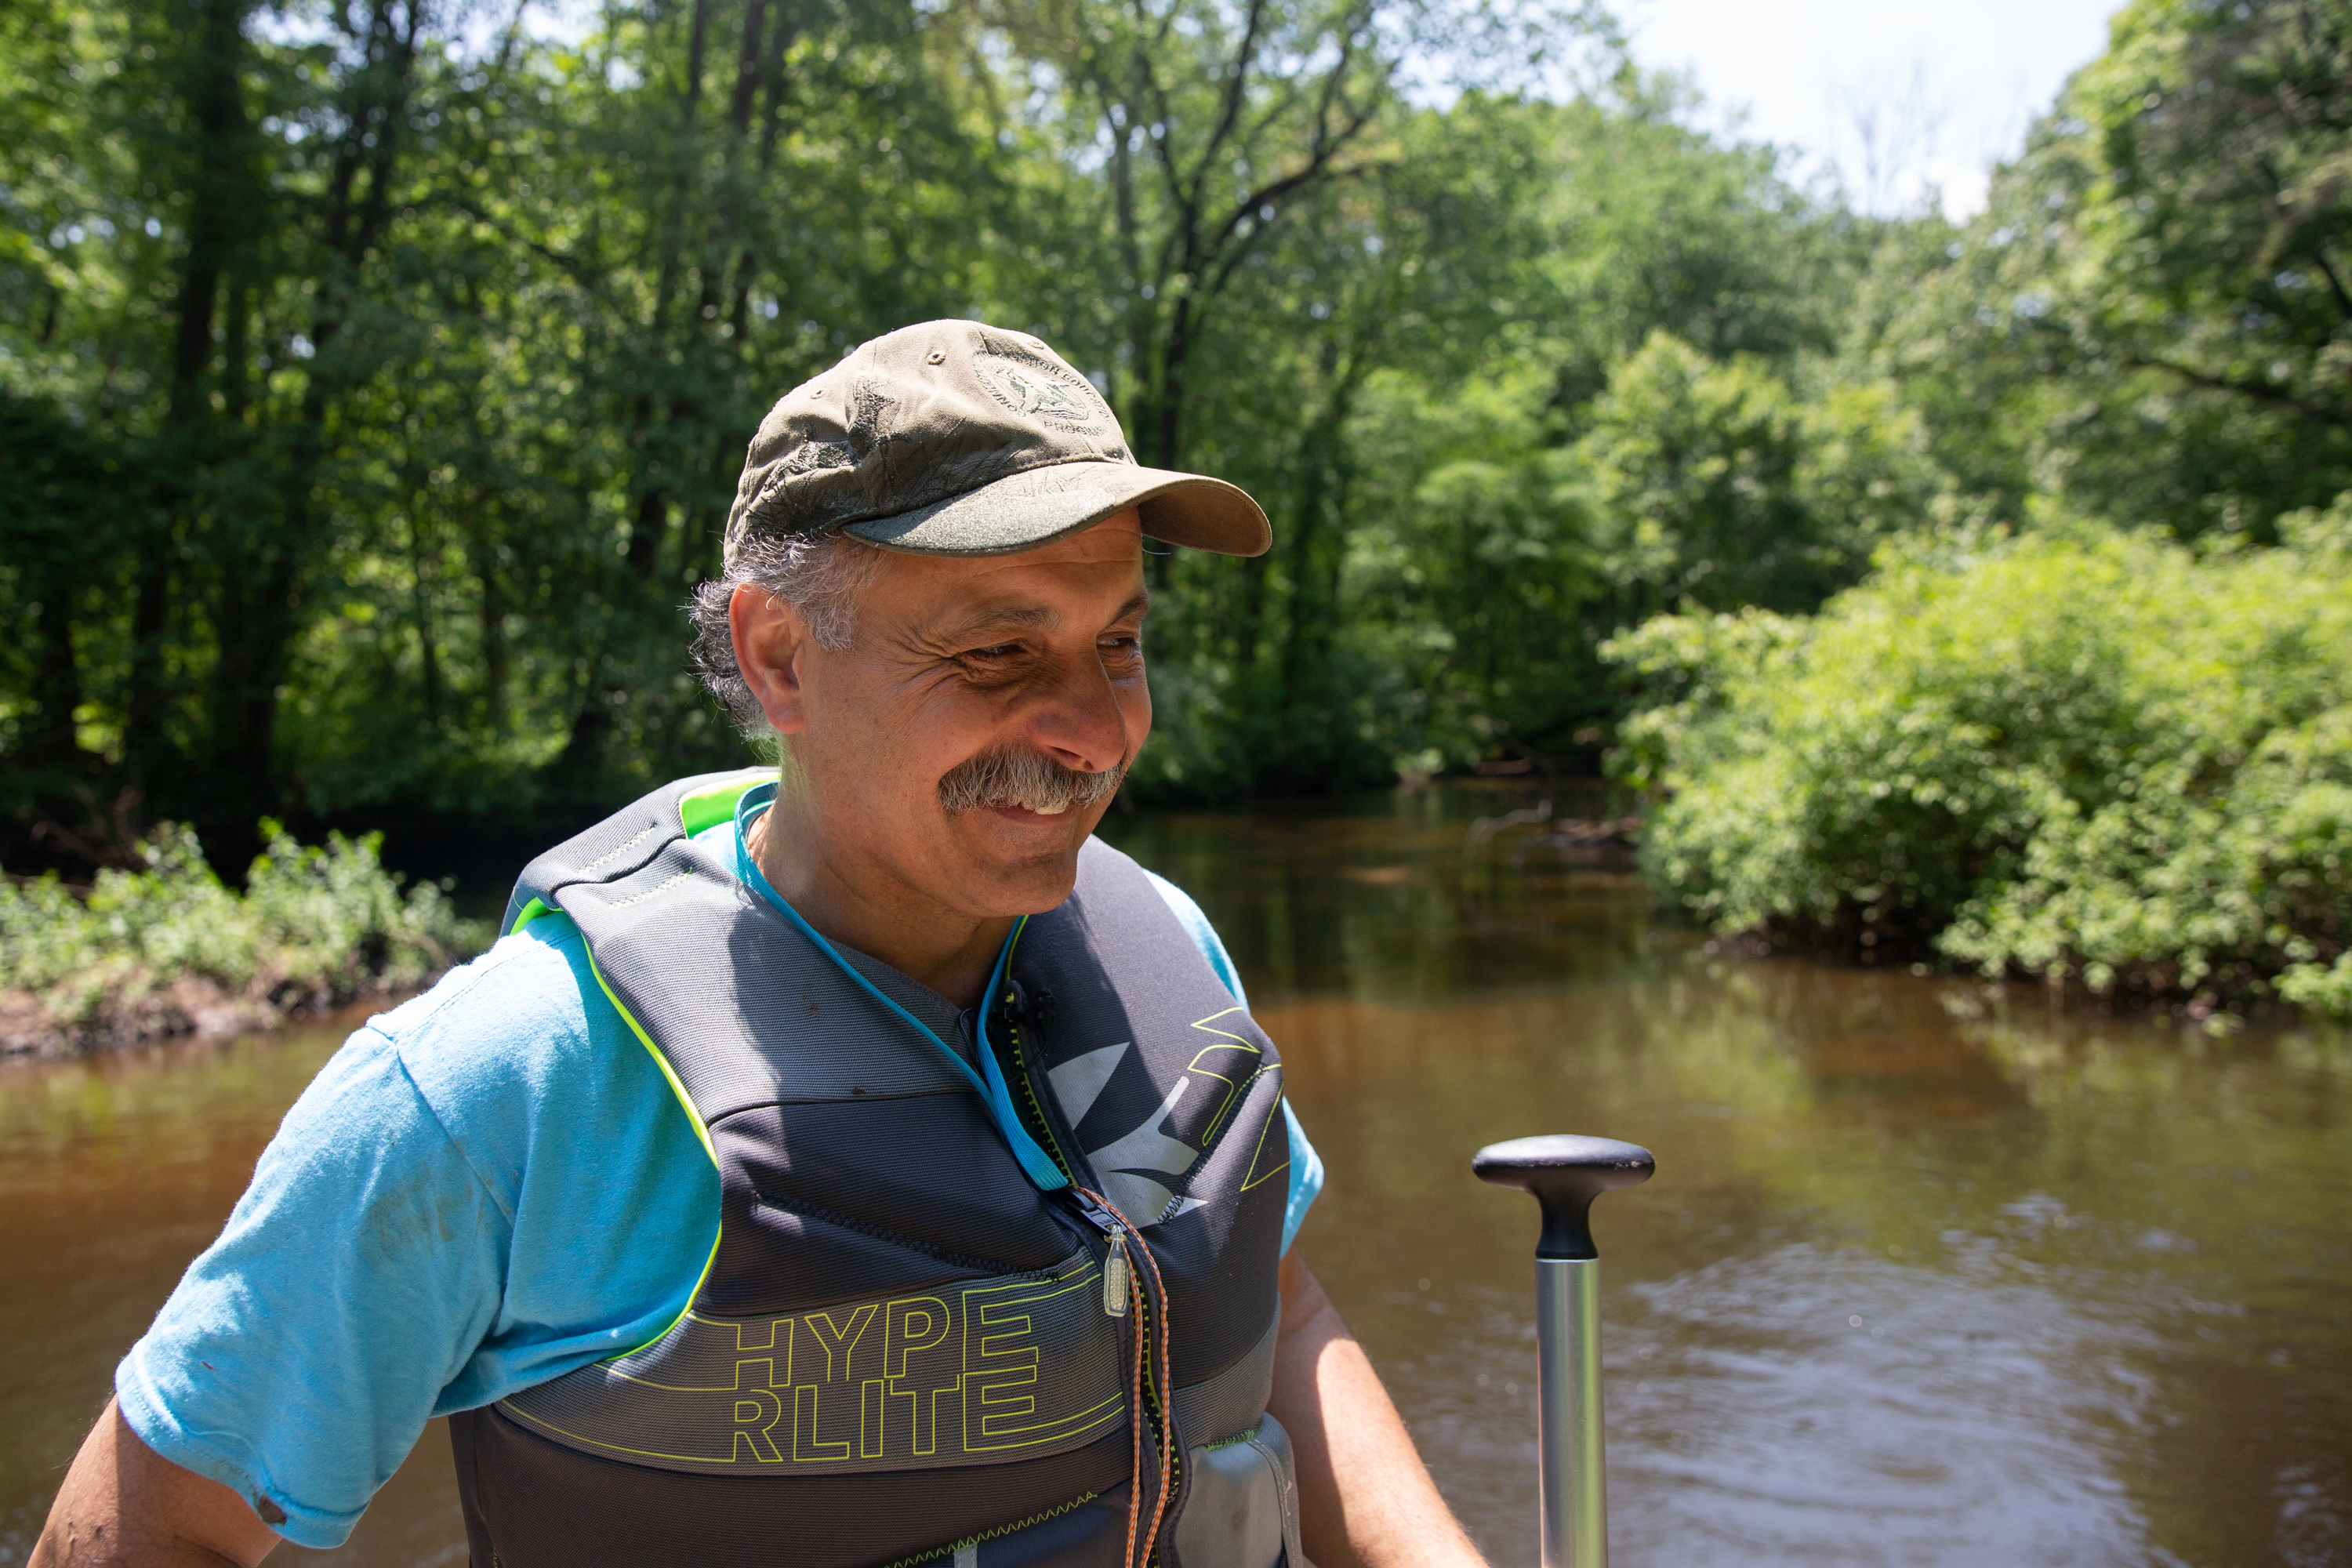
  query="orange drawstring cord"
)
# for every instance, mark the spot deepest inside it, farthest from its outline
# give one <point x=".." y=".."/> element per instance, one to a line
<point x="1140" y="1412"/>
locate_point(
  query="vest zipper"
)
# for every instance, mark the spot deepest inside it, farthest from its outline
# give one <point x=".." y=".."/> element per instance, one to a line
<point x="1150" y="1409"/>
<point x="1041" y="1126"/>
<point x="1118" y="1280"/>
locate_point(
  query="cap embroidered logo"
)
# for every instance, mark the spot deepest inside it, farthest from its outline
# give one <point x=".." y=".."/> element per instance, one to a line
<point x="1027" y="387"/>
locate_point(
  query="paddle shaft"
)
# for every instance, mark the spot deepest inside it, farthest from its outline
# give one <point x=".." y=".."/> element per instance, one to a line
<point x="1575" y="1496"/>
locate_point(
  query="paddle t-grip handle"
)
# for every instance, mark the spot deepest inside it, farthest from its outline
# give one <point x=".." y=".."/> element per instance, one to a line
<point x="1565" y="1173"/>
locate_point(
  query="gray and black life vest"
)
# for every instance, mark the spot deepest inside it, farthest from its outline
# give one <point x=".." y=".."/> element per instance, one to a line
<point x="924" y="1334"/>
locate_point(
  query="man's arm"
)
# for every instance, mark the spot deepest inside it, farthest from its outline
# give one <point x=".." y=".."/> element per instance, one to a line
<point x="1365" y="1499"/>
<point x="125" y="1506"/>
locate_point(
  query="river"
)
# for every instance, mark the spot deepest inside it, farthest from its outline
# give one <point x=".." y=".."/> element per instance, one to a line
<point x="1931" y="1272"/>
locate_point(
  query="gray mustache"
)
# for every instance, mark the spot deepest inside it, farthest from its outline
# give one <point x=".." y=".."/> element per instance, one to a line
<point x="1011" y="776"/>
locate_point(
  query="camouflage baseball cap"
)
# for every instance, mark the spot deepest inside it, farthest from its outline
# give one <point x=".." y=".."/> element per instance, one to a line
<point x="960" y="438"/>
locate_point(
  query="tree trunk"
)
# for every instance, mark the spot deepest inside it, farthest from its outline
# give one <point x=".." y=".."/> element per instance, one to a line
<point x="259" y="610"/>
<point x="219" y="201"/>
<point x="420" y="572"/>
<point x="57" y="684"/>
<point x="482" y="545"/>
<point x="673" y="446"/>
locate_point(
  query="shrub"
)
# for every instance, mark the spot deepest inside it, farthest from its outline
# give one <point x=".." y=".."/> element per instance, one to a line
<point x="167" y="949"/>
<point x="2077" y="753"/>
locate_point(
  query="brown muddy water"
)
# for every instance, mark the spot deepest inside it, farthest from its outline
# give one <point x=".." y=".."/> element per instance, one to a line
<point x="1929" y="1274"/>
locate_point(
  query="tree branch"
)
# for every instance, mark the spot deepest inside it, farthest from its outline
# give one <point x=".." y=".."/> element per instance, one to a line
<point x="1229" y="115"/>
<point x="2334" y="283"/>
<point x="1272" y="193"/>
<point x="562" y="261"/>
<point x="2260" y="391"/>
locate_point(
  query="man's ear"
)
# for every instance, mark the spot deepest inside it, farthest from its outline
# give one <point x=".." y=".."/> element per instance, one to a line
<point x="770" y="641"/>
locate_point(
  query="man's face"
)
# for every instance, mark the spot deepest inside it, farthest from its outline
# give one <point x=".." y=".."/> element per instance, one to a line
<point x="965" y="670"/>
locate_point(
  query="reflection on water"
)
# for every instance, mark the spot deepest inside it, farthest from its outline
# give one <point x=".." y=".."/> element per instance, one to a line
<point x="1928" y="1275"/>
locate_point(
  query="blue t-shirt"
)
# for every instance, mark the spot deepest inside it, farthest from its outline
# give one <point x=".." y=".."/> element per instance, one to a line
<point x="433" y="1229"/>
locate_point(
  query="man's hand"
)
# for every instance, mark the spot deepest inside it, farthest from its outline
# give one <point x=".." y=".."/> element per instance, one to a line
<point x="125" y="1506"/>
<point x="1365" y="1499"/>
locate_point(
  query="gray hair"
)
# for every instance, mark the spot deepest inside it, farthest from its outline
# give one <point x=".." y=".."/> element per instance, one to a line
<point x="821" y="578"/>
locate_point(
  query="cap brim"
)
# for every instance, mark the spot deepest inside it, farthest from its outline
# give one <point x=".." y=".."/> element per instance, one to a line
<point x="1024" y="511"/>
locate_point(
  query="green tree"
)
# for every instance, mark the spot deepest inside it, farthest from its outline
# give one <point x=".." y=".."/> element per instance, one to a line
<point x="2150" y="320"/>
<point x="245" y="194"/>
<point x="1209" y="123"/>
<point x="1715" y="484"/>
<point x="420" y="368"/>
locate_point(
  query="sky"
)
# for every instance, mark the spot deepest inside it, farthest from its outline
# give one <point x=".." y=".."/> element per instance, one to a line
<point x="1949" y="86"/>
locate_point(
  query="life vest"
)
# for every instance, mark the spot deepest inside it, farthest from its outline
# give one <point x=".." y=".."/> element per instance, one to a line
<point x="1002" y="1305"/>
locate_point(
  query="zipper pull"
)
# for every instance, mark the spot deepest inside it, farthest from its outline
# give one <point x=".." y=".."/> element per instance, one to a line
<point x="1116" y="1274"/>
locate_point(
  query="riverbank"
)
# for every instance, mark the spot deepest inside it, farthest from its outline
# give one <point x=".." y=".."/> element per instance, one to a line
<point x="162" y="948"/>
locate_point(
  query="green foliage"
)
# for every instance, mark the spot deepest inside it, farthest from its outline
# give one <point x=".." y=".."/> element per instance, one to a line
<point x="373" y="380"/>
<point x="1656" y="227"/>
<point x="2075" y="754"/>
<point x="384" y="378"/>
<point x="1493" y="578"/>
<point x="1472" y="567"/>
<point x="166" y="947"/>
<point x="420" y="361"/>
<point x="2152" y="321"/>
<point x="1689" y="467"/>
<point x="1712" y="482"/>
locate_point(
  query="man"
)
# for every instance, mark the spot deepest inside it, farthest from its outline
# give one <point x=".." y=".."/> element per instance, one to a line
<point x="851" y="1165"/>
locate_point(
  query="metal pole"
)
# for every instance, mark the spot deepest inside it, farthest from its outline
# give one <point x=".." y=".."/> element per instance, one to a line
<point x="1565" y="1173"/>
<point x="1567" y="1374"/>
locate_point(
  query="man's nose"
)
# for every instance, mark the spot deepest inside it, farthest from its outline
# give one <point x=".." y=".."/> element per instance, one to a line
<point x="1077" y="716"/>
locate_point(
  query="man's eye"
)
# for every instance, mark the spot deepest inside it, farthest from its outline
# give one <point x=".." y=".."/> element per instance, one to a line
<point x="998" y="650"/>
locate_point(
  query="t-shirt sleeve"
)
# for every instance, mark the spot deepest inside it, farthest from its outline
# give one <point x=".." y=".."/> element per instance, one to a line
<point x="1305" y="1165"/>
<point x="300" y="1356"/>
<point x="431" y="1229"/>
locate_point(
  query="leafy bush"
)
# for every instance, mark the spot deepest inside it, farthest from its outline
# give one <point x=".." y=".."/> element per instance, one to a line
<point x="167" y="949"/>
<point x="2080" y="753"/>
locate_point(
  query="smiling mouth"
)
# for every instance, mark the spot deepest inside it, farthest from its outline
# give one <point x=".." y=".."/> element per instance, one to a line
<point x="1023" y="783"/>
<point x="1025" y="809"/>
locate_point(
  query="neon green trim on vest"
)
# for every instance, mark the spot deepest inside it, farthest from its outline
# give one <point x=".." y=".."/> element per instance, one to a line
<point x="692" y="1115"/>
<point x="660" y="1060"/>
<point x="714" y="804"/>
<point x="531" y="911"/>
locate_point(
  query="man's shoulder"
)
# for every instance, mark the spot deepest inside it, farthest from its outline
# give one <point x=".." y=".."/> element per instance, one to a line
<point x="531" y="979"/>
<point x="1098" y="854"/>
<point x="1180" y="902"/>
<point x="1197" y="926"/>
<point x="496" y="1037"/>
